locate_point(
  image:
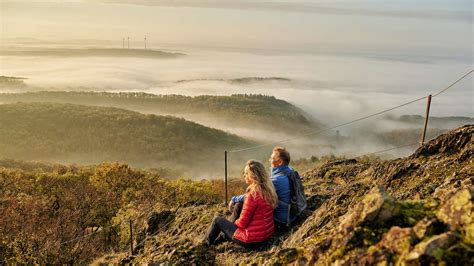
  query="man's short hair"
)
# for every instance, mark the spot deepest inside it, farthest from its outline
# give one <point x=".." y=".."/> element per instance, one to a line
<point x="283" y="155"/>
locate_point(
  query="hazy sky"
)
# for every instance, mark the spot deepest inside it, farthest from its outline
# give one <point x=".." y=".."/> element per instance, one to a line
<point x="440" y="28"/>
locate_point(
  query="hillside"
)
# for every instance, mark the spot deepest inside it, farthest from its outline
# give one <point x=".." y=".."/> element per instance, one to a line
<point x="438" y="122"/>
<point x="12" y="82"/>
<point x="415" y="210"/>
<point x="244" y="111"/>
<point x="70" y="133"/>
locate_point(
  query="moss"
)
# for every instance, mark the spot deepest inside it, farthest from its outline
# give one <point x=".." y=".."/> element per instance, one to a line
<point x="330" y="173"/>
<point x="436" y="228"/>
<point x="289" y="255"/>
<point x="460" y="253"/>
<point x="370" y="233"/>
<point x="411" y="212"/>
<point x="311" y="241"/>
<point x="367" y="235"/>
<point x="338" y="254"/>
<point x="186" y="253"/>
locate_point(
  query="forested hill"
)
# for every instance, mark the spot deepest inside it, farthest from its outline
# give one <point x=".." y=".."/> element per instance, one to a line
<point x="70" y="133"/>
<point x="260" y="111"/>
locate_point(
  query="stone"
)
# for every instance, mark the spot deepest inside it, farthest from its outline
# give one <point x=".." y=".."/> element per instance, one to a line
<point x="377" y="257"/>
<point x="430" y="247"/>
<point x="156" y="220"/>
<point x="457" y="211"/>
<point x="398" y="240"/>
<point x="469" y="236"/>
<point x="429" y="226"/>
<point x="376" y="206"/>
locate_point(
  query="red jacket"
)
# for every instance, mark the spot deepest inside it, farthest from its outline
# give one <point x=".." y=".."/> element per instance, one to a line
<point x="256" y="220"/>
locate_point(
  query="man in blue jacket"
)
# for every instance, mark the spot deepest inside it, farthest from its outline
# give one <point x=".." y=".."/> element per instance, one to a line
<point x="279" y="160"/>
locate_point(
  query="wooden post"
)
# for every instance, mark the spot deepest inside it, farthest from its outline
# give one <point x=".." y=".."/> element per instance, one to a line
<point x="105" y="240"/>
<point x="225" y="176"/>
<point x="131" y="238"/>
<point x="428" y="104"/>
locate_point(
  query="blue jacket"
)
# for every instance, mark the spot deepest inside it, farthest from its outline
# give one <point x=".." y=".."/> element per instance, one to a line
<point x="282" y="186"/>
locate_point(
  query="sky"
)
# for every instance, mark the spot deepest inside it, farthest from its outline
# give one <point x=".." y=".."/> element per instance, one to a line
<point x="430" y="28"/>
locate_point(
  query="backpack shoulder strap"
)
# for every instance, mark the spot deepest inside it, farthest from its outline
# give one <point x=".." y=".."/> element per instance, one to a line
<point x="285" y="173"/>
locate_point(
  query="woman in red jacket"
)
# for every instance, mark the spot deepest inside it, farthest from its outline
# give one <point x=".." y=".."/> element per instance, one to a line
<point x="255" y="224"/>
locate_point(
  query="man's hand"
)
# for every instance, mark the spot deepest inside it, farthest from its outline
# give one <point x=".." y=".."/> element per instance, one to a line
<point x="230" y="205"/>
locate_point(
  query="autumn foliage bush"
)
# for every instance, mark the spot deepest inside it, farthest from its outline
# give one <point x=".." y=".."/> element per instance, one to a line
<point x="42" y="211"/>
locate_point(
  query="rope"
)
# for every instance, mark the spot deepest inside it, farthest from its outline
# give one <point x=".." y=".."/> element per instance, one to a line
<point x="391" y="149"/>
<point x="454" y="83"/>
<point x="332" y="127"/>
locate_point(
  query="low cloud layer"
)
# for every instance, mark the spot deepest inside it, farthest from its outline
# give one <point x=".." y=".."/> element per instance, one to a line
<point x="332" y="88"/>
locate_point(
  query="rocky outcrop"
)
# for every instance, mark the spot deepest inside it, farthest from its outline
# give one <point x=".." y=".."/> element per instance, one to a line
<point x="454" y="142"/>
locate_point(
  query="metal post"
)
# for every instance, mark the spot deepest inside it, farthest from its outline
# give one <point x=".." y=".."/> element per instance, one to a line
<point x="428" y="104"/>
<point x="131" y="238"/>
<point x="225" y="167"/>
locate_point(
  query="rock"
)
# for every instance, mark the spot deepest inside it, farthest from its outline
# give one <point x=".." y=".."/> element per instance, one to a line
<point x="377" y="257"/>
<point x="429" y="226"/>
<point x="376" y="206"/>
<point x="457" y="211"/>
<point x="431" y="247"/>
<point x="448" y="143"/>
<point x="156" y="220"/>
<point x="469" y="237"/>
<point x="397" y="240"/>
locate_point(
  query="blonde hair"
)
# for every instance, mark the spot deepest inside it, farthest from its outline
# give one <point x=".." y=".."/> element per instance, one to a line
<point x="260" y="182"/>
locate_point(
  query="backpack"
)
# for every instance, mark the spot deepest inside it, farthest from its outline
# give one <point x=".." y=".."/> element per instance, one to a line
<point x="298" y="199"/>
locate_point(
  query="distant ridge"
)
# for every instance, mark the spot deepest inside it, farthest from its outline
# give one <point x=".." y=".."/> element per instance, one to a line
<point x="260" y="111"/>
<point x="93" y="52"/>
<point x="242" y="80"/>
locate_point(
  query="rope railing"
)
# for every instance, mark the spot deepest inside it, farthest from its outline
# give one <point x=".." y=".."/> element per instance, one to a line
<point x="328" y="128"/>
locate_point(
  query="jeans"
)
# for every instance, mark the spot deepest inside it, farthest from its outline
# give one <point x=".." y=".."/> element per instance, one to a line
<point x="236" y="209"/>
<point x="279" y="227"/>
<point x="220" y="224"/>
